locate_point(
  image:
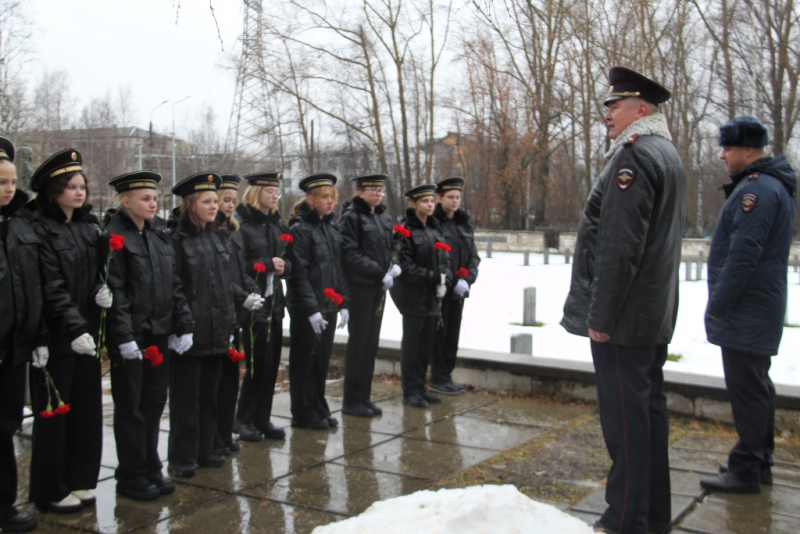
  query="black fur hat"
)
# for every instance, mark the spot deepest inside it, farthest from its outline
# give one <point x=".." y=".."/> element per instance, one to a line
<point x="744" y="131"/>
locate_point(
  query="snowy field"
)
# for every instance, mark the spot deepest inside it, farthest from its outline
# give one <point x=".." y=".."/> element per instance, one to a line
<point x="495" y="305"/>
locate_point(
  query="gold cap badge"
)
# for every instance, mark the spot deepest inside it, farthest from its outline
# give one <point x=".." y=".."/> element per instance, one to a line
<point x="74" y="157"/>
<point x="210" y="178"/>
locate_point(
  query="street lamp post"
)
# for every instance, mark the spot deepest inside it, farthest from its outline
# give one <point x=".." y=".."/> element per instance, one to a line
<point x="173" y="146"/>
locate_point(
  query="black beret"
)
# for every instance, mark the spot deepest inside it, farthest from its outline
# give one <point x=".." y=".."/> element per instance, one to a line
<point x="265" y="179"/>
<point x="370" y="180"/>
<point x="422" y="190"/>
<point x="456" y="183"/>
<point x="230" y="181"/>
<point x="62" y="162"/>
<point x="202" y="181"/>
<point x="626" y="83"/>
<point x="744" y="131"/>
<point x="135" y="180"/>
<point x="6" y="149"/>
<point x="321" y="179"/>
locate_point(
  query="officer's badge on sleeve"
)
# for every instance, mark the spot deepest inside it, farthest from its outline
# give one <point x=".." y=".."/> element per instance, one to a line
<point x="625" y="177"/>
<point x="748" y="202"/>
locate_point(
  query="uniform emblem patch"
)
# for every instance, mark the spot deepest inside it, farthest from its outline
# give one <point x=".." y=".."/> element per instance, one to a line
<point x="625" y="177"/>
<point x="748" y="201"/>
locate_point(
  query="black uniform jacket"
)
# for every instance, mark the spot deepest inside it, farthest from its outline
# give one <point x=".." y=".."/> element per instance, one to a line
<point x="148" y="297"/>
<point x="368" y="243"/>
<point x="316" y="256"/>
<point x="22" y="307"/>
<point x="70" y="264"/>
<point x="414" y="291"/>
<point x="459" y="233"/>
<point x="625" y="273"/>
<point x="259" y="240"/>
<point x="207" y="271"/>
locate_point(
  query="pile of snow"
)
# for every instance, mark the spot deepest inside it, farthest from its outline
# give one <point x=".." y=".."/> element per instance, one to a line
<point x="473" y="510"/>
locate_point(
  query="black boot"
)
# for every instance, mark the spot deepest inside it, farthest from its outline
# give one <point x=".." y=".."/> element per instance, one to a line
<point x="182" y="470"/>
<point x="12" y="520"/>
<point x="247" y="432"/>
<point x="165" y="486"/>
<point x="730" y="483"/>
<point x="138" y="489"/>
<point x="212" y="460"/>
<point x="376" y="410"/>
<point x="273" y="432"/>
<point x="766" y="474"/>
<point x="357" y="410"/>
<point x="415" y="400"/>
<point x="430" y="397"/>
<point x="332" y="421"/>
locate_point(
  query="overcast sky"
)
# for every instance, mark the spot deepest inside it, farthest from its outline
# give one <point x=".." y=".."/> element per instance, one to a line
<point x="105" y="44"/>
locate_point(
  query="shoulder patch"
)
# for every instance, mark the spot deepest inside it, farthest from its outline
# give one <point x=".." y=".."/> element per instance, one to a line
<point x="753" y="176"/>
<point x="749" y="202"/>
<point x="625" y="176"/>
<point x="632" y="139"/>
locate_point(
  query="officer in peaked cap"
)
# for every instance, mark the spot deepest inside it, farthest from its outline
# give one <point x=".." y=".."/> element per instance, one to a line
<point x="265" y="179"/>
<point x="60" y="163"/>
<point x="198" y="183"/>
<point x="135" y="180"/>
<point x="321" y="179"/>
<point x="230" y="181"/>
<point x="630" y="241"/>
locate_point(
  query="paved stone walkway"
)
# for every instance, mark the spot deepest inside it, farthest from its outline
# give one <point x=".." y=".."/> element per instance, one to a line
<point x="315" y="477"/>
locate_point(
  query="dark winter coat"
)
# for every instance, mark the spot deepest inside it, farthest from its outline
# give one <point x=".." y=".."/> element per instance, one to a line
<point x="414" y="291"/>
<point x="749" y="258"/>
<point x="368" y="246"/>
<point x="207" y="271"/>
<point x="459" y="233"/>
<point x="316" y="256"/>
<point x="625" y="273"/>
<point x="259" y="239"/>
<point x="148" y="296"/>
<point x="21" y="309"/>
<point x="71" y="263"/>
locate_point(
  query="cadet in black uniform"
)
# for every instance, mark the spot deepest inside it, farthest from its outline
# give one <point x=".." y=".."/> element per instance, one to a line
<point x="149" y="306"/>
<point x="67" y="448"/>
<point x="317" y="289"/>
<point x="21" y="328"/>
<point x="204" y="264"/>
<point x="420" y="287"/>
<point x="367" y="259"/>
<point x="260" y="242"/>
<point x="459" y="233"/>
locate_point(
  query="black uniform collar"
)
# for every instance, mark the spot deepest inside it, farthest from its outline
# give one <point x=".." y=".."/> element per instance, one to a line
<point x="250" y="214"/>
<point x="127" y="221"/>
<point x="738" y="177"/>
<point x="361" y="206"/>
<point x="54" y="212"/>
<point x="17" y="202"/>
<point x="460" y="217"/>
<point x="413" y="221"/>
<point x="311" y="215"/>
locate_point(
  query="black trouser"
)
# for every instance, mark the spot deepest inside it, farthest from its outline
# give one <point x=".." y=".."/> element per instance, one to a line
<point x="446" y="346"/>
<point x="139" y="391"/>
<point x="364" y="328"/>
<point x="752" y="397"/>
<point x="67" y="448"/>
<point x="309" y="357"/>
<point x="415" y="351"/>
<point x="193" y="384"/>
<point x="228" y="391"/>
<point x="12" y="399"/>
<point x="633" y="414"/>
<point x="258" y="384"/>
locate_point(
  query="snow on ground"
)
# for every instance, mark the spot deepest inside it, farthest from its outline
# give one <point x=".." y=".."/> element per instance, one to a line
<point x="495" y="305"/>
<point x="473" y="510"/>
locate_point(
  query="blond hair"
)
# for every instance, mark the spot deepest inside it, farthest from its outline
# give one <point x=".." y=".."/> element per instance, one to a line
<point x="315" y="195"/>
<point x="234" y="224"/>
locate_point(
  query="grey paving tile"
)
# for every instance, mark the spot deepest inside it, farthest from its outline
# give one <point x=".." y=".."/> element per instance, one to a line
<point x="532" y="412"/>
<point x="596" y="503"/>
<point x="775" y="499"/>
<point x="251" y="466"/>
<point x="476" y="432"/>
<point x="721" y="518"/>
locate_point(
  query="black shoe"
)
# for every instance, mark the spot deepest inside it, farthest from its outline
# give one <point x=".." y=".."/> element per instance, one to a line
<point x="212" y="460"/>
<point x="444" y="389"/>
<point x="138" y="489"/>
<point x="430" y="397"/>
<point x="659" y="528"/>
<point x="461" y="389"/>
<point x="247" y="432"/>
<point x="376" y="410"/>
<point x="182" y="471"/>
<point x="766" y="474"/>
<point x="224" y="451"/>
<point x="165" y="486"/>
<point x="415" y="401"/>
<point x="357" y="410"/>
<point x="322" y="424"/>
<point x="233" y="446"/>
<point x="332" y="421"/>
<point x="730" y="483"/>
<point x="273" y="432"/>
<point x="12" y="520"/>
<point x="599" y="527"/>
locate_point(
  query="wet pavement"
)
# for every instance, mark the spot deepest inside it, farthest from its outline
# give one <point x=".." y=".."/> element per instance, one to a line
<point x="315" y="477"/>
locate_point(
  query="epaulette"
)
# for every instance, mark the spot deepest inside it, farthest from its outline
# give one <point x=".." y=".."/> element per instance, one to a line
<point x="630" y="140"/>
<point x="753" y="176"/>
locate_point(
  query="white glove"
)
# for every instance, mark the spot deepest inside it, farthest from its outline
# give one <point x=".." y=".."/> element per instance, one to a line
<point x="318" y="324"/>
<point x="130" y="351"/>
<point x="230" y="339"/>
<point x="395" y="271"/>
<point x="270" y="278"/>
<point x="462" y="287"/>
<point x="344" y="316"/>
<point x="40" y="357"/>
<point x="186" y="341"/>
<point x="388" y="282"/>
<point x="84" y="344"/>
<point x="174" y="343"/>
<point x="442" y="279"/>
<point x="441" y="290"/>
<point x="253" y="302"/>
<point x="104" y="298"/>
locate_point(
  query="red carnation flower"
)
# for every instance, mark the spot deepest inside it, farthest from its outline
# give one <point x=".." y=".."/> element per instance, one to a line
<point x="62" y="409"/>
<point x="329" y="292"/>
<point x="234" y="355"/>
<point x="151" y="353"/>
<point x="47" y="414"/>
<point x="402" y="230"/>
<point x="259" y="267"/>
<point x="337" y="299"/>
<point x="287" y="237"/>
<point x="441" y="246"/>
<point x="116" y="242"/>
<point x="462" y="272"/>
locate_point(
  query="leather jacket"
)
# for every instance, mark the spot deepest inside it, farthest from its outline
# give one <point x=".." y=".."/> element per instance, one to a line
<point x="368" y="245"/>
<point x="459" y="233"/>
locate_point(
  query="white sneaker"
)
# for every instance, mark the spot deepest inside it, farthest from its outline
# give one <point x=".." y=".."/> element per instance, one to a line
<point x="86" y="497"/>
<point x="67" y="505"/>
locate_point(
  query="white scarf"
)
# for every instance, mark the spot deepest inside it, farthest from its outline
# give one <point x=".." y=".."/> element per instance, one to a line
<point x="651" y="125"/>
